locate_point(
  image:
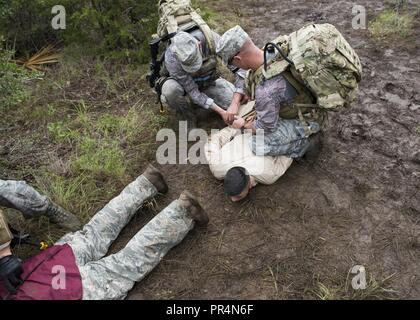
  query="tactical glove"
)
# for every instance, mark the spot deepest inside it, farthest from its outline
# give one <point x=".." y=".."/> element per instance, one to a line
<point x="10" y="272"/>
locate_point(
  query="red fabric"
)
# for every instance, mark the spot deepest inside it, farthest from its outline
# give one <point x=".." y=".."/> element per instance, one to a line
<point x="39" y="275"/>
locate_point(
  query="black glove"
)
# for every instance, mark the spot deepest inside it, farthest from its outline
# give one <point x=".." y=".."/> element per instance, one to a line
<point x="10" y="271"/>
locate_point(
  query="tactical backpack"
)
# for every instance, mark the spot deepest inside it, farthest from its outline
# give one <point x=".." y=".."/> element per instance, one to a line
<point x="175" y="16"/>
<point x="319" y="63"/>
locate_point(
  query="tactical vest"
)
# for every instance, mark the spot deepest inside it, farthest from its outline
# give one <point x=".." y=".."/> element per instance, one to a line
<point x="321" y="66"/>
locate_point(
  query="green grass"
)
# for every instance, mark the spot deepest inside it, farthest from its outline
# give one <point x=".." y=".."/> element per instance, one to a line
<point x="99" y="158"/>
<point x="86" y="131"/>
<point x="216" y="20"/>
<point x="391" y="23"/>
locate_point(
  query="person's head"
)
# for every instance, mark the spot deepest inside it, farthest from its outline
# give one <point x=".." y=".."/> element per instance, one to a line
<point x="187" y="50"/>
<point x="236" y="48"/>
<point x="237" y="183"/>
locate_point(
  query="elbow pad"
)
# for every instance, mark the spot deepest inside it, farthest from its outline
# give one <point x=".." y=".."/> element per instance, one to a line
<point x="5" y="233"/>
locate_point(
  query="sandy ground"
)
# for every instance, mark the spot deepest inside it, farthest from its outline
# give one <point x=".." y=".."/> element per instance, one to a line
<point x="358" y="204"/>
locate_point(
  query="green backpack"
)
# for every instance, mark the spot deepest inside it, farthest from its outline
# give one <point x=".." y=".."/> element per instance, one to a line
<point x="179" y="15"/>
<point x="175" y="16"/>
<point x="319" y="63"/>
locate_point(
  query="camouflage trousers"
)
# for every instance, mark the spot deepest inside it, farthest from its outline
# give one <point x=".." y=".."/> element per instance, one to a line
<point x="21" y="196"/>
<point x="291" y="139"/>
<point x="113" y="276"/>
<point x="174" y="95"/>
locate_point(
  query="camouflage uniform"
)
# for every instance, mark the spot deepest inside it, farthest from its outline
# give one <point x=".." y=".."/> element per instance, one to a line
<point x="21" y="196"/>
<point x="281" y="137"/>
<point x="113" y="276"/>
<point x="181" y="90"/>
<point x="290" y="138"/>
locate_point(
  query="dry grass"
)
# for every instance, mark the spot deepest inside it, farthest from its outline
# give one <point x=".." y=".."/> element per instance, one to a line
<point x="46" y="56"/>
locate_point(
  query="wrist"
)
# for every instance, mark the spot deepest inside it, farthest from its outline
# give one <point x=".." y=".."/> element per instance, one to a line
<point x="5" y="252"/>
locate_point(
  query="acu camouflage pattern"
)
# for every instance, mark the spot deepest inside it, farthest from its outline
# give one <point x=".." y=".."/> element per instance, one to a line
<point x="21" y="196"/>
<point x="179" y="15"/>
<point x="208" y="69"/>
<point x="173" y="95"/>
<point x="231" y="43"/>
<point x="291" y="139"/>
<point x="326" y="71"/>
<point x="113" y="276"/>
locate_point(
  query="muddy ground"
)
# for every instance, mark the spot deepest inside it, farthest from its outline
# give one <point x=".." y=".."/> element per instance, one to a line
<point x="358" y="204"/>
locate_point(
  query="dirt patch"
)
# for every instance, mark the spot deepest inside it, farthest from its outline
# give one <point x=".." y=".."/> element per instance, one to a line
<point x="358" y="204"/>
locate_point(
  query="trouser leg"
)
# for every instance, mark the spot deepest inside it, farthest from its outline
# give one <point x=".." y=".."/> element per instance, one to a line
<point x="174" y="95"/>
<point x="221" y="92"/>
<point x="21" y="196"/>
<point x="93" y="241"/>
<point x="289" y="139"/>
<point x="113" y="277"/>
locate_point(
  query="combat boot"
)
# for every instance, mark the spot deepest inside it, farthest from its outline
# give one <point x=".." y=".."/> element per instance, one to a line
<point x="313" y="150"/>
<point x="156" y="178"/>
<point x="61" y="217"/>
<point x="315" y="146"/>
<point x="194" y="209"/>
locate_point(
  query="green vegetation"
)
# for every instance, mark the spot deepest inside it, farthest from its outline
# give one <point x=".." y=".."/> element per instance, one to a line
<point x="116" y="29"/>
<point x="393" y="22"/>
<point x="87" y="130"/>
<point x="218" y="22"/>
<point x="12" y="79"/>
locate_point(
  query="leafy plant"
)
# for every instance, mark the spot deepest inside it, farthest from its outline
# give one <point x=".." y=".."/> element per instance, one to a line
<point x="119" y="29"/>
<point x="391" y="23"/>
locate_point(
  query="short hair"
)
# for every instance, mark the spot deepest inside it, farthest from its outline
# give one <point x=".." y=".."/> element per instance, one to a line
<point x="236" y="180"/>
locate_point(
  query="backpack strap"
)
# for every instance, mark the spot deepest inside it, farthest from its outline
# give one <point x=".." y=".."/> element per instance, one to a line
<point x="172" y="25"/>
<point x="206" y="31"/>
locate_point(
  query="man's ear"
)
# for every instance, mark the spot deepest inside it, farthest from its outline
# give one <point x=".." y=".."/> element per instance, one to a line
<point x="236" y="58"/>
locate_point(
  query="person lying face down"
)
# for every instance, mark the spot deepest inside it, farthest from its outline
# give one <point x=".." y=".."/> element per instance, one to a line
<point x="229" y="155"/>
<point x="85" y="270"/>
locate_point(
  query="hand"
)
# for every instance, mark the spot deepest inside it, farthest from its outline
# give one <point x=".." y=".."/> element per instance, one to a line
<point x="10" y="272"/>
<point x="238" y="123"/>
<point x="230" y="114"/>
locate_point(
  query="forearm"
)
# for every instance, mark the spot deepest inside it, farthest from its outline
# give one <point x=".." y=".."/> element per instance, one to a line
<point x="217" y="109"/>
<point x="236" y="102"/>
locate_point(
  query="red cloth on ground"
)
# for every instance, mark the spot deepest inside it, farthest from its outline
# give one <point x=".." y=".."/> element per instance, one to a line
<point x="50" y="275"/>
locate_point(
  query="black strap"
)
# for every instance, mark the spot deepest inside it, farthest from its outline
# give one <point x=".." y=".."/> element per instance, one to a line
<point x="273" y="45"/>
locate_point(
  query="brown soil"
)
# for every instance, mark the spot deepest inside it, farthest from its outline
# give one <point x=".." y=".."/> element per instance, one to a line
<point x="358" y="204"/>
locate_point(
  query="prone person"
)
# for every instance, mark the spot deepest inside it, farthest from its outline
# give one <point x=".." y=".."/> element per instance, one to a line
<point x="230" y="158"/>
<point x="79" y="257"/>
